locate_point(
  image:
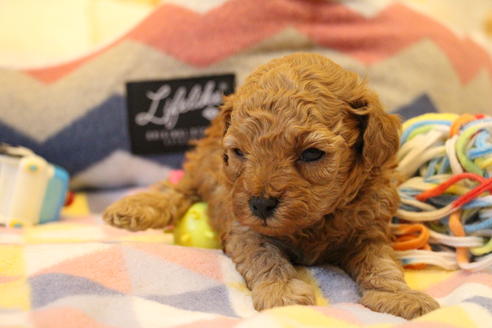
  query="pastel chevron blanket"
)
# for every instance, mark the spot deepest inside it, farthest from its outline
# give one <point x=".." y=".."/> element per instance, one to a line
<point x="81" y="273"/>
<point x="418" y="55"/>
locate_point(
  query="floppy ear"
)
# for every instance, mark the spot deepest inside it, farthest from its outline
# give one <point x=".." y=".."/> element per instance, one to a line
<point x="380" y="132"/>
<point x="225" y="113"/>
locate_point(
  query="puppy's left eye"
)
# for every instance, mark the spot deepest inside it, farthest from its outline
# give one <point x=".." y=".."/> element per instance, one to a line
<point x="238" y="152"/>
<point x="311" y="155"/>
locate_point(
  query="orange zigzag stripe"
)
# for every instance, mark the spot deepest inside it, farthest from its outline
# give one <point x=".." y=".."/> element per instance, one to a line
<point x="202" y="40"/>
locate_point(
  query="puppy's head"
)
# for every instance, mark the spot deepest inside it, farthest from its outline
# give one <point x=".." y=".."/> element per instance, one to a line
<point x="300" y="138"/>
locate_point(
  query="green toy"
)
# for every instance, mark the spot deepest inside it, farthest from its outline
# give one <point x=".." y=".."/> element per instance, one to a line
<point x="194" y="230"/>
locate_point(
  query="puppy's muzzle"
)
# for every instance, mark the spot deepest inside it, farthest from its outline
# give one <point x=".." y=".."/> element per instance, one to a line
<point x="263" y="208"/>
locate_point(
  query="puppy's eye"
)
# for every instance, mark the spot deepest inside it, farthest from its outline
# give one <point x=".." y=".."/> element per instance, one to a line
<point x="311" y="155"/>
<point x="238" y="152"/>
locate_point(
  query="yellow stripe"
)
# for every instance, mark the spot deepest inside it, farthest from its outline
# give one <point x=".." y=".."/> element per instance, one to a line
<point x="306" y="276"/>
<point x="301" y="316"/>
<point x="79" y="207"/>
<point x="430" y="116"/>
<point x="487" y="248"/>
<point x="423" y="279"/>
<point x="484" y="162"/>
<point x="11" y="260"/>
<point x="165" y="238"/>
<point x="455" y="316"/>
<point x="15" y="295"/>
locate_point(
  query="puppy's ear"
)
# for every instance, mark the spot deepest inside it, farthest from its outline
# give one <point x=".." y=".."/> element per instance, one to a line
<point x="380" y="132"/>
<point x="225" y="113"/>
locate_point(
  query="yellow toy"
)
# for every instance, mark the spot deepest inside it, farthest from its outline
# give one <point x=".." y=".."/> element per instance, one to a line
<point x="194" y="230"/>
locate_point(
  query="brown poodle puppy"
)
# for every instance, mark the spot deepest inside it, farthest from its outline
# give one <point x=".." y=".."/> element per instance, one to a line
<point x="298" y="168"/>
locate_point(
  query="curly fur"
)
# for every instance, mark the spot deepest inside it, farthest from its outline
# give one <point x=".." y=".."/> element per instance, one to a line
<point x="336" y="209"/>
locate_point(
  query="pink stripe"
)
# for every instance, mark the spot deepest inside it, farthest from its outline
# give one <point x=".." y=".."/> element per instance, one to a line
<point x="64" y="317"/>
<point x="202" y="261"/>
<point x="52" y="74"/>
<point x="395" y="28"/>
<point x="11" y="231"/>
<point x="213" y="323"/>
<point x="202" y="40"/>
<point x="339" y="314"/>
<point x="445" y="287"/>
<point x="175" y="176"/>
<point x="6" y="279"/>
<point x="413" y="324"/>
<point x="106" y="267"/>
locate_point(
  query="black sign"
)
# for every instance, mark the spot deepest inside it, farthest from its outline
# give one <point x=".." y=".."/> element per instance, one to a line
<point x="163" y="116"/>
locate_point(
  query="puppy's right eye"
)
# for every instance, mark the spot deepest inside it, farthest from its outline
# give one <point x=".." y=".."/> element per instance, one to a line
<point x="311" y="155"/>
<point x="238" y="152"/>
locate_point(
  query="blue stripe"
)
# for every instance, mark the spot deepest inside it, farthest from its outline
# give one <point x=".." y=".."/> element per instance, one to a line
<point x="416" y="125"/>
<point x="87" y="140"/>
<point x="419" y="106"/>
<point x="487" y="224"/>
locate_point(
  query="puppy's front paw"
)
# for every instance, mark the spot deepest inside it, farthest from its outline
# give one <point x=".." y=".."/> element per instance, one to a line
<point x="407" y="304"/>
<point x="133" y="213"/>
<point x="279" y="293"/>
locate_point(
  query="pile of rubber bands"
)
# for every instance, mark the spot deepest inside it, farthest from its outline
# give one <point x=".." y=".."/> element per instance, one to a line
<point x="445" y="217"/>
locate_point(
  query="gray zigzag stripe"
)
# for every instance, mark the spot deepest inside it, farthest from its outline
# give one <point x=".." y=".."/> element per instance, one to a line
<point x="41" y="110"/>
<point x="485" y="302"/>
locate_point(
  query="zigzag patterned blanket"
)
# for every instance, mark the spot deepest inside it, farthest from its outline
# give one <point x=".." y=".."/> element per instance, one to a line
<point x="418" y="56"/>
<point x="81" y="273"/>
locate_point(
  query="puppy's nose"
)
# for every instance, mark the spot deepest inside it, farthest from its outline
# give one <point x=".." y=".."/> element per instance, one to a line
<point x="263" y="207"/>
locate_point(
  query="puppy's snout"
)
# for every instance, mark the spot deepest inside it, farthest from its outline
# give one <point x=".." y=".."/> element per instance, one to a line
<point x="263" y="207"/>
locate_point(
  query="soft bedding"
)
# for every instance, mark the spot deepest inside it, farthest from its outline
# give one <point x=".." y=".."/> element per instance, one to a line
<point x="419" y="56"/>
<point x="81" y="273"/>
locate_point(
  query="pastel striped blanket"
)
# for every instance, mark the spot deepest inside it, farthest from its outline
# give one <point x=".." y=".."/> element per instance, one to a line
<point x="81" y="273"/>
